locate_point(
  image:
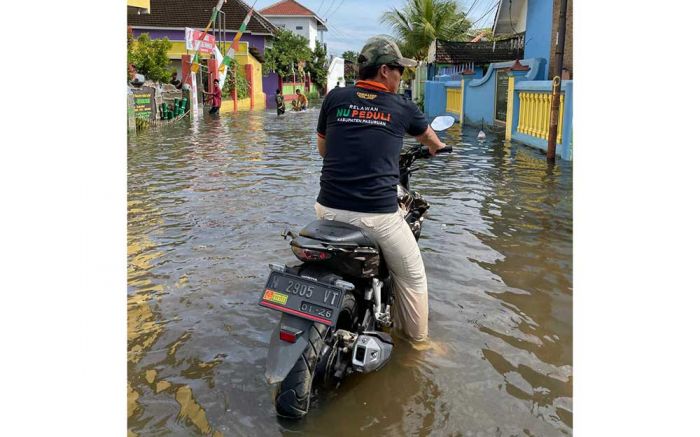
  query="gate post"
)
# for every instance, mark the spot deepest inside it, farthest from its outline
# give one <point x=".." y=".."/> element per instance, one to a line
<point x="249" y="77"/>
<point x="517" y="70"/>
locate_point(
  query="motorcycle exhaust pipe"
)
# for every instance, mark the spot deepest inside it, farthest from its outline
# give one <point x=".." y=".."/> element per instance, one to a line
<point x="371" y="351"/>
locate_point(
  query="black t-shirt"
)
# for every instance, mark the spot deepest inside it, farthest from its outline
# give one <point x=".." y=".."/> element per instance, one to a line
<point x="364" y="126"/>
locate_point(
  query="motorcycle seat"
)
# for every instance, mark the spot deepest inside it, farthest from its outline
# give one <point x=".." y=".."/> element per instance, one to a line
<point x="332" y="231"/>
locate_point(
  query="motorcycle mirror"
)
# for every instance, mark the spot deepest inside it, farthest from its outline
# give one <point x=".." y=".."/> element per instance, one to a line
<point x="442" y="122"/>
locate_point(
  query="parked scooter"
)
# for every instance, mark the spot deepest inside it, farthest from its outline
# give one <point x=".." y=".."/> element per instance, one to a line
<point x="336" y="303"/>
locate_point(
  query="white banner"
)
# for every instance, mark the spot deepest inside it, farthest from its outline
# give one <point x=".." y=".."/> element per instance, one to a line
<point x="194" y="105"/>
<point x="219" y="58"/>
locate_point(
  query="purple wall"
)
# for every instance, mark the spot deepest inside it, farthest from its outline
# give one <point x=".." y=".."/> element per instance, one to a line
<point x="270" y="84"/>
<point x="257" y="41"/>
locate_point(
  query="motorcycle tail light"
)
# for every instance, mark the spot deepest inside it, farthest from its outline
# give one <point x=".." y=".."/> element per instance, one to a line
<point x="287" y="336"/>
<point x="310" y="254"/>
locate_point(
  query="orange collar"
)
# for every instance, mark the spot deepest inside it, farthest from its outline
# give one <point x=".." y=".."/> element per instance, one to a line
<point x="372" y="85"/>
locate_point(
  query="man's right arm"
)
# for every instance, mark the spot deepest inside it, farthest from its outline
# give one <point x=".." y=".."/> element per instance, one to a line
<point x="429" y="138"/>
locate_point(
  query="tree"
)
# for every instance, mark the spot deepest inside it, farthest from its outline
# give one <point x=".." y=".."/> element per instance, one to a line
<point x="317" y="67"/>
<point x="150" y="57"/>
<point x="420" y="22"/>
<point x="287" y="51"/>
<point x="350" y="56"/>
<point x="239" y="82"/>
<point x="130" y="70"/>
<point x="351" y="65"/>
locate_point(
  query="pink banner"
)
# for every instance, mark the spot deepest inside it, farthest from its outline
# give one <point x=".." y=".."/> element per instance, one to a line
<point x="192" y="36"/>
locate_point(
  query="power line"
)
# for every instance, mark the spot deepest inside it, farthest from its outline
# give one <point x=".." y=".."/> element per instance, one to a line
<point x="336" y="9"/>
<point x="474" y="3"/>
<point x="330" y="5"/>
<point x="338" y="31"/>
<point x="487" y="12"/>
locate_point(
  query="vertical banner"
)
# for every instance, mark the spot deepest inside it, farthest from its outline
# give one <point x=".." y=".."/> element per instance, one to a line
<point x="194" y="104"/>
<point x="223" y="68"/>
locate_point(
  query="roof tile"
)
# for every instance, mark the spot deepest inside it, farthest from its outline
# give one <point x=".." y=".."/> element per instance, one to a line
<point x="287" y="7"/>
<point x="196" y="14"/>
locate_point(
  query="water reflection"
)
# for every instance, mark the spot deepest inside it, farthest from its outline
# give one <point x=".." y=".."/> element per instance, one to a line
<point x="207" y="201"/>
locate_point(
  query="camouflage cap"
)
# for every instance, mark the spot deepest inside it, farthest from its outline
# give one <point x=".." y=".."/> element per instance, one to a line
<point x="381" y="50"/>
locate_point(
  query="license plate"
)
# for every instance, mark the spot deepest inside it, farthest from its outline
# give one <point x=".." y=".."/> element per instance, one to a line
<point x="302" y="297"/>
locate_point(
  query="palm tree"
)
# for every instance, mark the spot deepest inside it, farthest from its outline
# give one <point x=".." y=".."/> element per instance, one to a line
<point x="420" y="22"/>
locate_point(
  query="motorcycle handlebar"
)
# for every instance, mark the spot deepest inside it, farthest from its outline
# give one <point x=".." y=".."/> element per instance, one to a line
<point x="425" y="151"/>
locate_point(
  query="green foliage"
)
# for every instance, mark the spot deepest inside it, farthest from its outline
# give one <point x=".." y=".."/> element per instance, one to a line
<point x="129" y="55"/>
<point x="150" y="58"/>
<point x="317" y="67"/>
<point x="350" y="71"/>
<point x="420" y="22"/>
<point x="349" y="55"/>
<point x="287" y="52"/>
<point x="240" y="82"/>
<point x="313" y="94"/>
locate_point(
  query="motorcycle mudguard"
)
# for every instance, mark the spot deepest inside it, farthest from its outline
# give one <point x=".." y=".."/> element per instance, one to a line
<point x="282" y="355"/>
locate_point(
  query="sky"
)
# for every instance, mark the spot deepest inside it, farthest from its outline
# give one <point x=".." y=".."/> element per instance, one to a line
<point x="352" y="22"/>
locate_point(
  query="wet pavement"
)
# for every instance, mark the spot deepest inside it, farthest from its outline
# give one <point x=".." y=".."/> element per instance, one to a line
<point x="207" y="201"/>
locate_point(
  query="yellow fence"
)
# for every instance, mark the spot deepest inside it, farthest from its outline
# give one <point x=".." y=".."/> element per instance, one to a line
<point x="454" y="100"/>
<point x="534" y="114"/>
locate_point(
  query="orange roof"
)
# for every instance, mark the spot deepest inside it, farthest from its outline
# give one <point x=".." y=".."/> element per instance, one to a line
<point x="287" y="7"/>
<point x="478" y="37"/>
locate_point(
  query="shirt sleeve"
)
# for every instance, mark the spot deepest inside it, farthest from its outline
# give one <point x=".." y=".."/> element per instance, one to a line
<point x="417" y="124"/>
<point x="321" y="126"/>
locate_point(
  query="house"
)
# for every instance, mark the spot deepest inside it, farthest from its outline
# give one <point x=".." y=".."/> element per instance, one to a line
<point x="293" y="16"/>
<point x="169" y="18"/>
<point x="449" y="57"/>
<point x="514" y="96"/>
<point x="137" y="7"/>
<point x="538" y="20"/>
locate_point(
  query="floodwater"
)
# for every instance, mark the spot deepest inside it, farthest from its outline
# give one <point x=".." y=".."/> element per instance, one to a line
<point x="207" y="202"/>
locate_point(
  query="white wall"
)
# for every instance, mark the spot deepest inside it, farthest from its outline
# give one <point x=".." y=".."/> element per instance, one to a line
<point x="336" y="69"/>
<point x="309" y="29"/>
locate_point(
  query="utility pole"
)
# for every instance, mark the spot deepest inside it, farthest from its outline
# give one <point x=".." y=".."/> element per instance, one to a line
<point x="556" y="84"/>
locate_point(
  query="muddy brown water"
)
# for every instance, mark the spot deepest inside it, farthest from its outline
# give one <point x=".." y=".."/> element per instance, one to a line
<point x="207" y="201"/>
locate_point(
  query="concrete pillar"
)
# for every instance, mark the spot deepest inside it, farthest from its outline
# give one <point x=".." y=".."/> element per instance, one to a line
<point x="249" y="78"/>
<point x="213" y="68"/>
<point x="234" y="91"/>
<point x="187" y="69"/>
<point x="467" y="76"/>
<point x="515" y="73"/>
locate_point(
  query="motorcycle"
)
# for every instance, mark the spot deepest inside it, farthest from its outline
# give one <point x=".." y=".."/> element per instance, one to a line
<point x="336" y="303"/>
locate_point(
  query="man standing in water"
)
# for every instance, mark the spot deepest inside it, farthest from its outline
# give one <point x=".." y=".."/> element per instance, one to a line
<point x="279" y="100"/>
<point x="360" y="135"/>
<point x="215" y="98"/>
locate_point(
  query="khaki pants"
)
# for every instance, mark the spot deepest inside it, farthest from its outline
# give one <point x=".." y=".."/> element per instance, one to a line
<point x="402" y="255"/>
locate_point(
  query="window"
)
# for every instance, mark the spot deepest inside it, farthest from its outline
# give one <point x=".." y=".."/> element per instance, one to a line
<point x="300" y="27"/>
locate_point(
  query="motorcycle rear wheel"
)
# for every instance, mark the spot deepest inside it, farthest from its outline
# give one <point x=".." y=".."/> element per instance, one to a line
<point x="294" y="394"/>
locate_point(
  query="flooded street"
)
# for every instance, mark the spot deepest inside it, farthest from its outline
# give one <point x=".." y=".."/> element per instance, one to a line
<point x="207" y="202"/>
